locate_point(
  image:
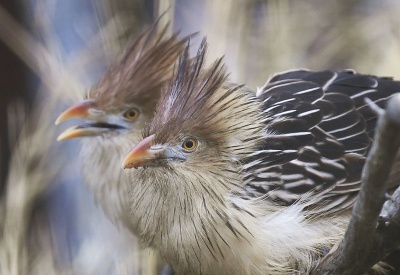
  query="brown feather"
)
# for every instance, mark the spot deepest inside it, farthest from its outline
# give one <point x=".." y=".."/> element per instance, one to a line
<point x="138" y="76"/>
<point x="184" y="100"/>
<point x="199" y="101"/>
<point x="192" y="206"/>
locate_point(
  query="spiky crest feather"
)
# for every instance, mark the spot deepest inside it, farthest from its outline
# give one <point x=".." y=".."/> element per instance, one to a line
<point x="143" y="68"/>
<point x="192" y="211"/>
<point x="198" y="101"/>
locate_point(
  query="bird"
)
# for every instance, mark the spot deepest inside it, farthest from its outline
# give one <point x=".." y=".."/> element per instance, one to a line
<point x="116" y="110"/>
<point x="227" y="181"/>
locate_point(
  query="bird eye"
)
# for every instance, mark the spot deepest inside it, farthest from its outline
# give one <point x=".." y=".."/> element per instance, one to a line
<point x="189" y="144"/>
<point x="131" y="114"/>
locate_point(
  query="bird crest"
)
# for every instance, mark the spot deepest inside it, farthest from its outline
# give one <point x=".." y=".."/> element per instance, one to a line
<point x="138" y="76"/>
<point x="198" y="101"/>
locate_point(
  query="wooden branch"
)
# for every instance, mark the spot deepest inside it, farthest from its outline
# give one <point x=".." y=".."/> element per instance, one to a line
<point x="364" y="242"/>
<point x="387" y="237"/>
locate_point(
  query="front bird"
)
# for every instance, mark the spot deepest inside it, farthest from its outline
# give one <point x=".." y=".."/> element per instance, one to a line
<point x="238" y="183"/>
<point x="116" y="110"/>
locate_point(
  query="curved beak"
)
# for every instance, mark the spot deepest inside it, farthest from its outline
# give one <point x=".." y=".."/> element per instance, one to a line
<point x="146" y="153"/>
<point x="85" y="130"/>
<point x="142" y="154"/>
<point x="79" y="110"/>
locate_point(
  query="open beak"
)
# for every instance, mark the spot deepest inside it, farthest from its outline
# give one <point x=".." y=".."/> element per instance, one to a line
<point x="142" y="154"/>
<point x="84" y="130"/>
<point x="81" y="110"/>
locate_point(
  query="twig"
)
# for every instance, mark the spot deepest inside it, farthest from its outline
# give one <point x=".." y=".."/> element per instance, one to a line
<point x="354" y="253"/>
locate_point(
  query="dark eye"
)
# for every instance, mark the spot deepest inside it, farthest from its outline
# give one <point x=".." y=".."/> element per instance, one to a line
<point x="131" y="114"/>
<point x="189" y="144"/>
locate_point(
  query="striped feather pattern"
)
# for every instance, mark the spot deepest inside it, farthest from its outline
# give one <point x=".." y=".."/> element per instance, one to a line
<point x="319" y="131"/>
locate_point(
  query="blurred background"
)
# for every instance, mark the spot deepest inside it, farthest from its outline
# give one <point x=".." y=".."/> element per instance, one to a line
<point x="53" y="51"/>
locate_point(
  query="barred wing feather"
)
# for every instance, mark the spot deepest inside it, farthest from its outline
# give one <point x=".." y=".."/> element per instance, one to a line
<point x="319" y="131"/>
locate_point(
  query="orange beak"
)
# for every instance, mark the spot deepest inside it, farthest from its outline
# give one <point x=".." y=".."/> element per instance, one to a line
<point x="79" y="110"/>
<point x="141" y="154"/>
<point x="78" y="132"/>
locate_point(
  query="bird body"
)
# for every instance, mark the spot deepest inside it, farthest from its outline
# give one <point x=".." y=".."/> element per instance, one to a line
<point x="238" y="183"/>
<point x="234" y="236"/>
<point x="116" y="110"/>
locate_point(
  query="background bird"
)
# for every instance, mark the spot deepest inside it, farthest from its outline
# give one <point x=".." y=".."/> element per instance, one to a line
<point x="117" y="109"/>
<point x="237" y="183"/>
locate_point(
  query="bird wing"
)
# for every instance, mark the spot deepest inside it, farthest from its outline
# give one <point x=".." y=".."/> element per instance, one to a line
<point x="319" y="131"/>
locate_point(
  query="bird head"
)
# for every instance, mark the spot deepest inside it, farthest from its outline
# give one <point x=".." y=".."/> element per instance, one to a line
<point x="202" y="124"/>
<point x="126" y="97"/>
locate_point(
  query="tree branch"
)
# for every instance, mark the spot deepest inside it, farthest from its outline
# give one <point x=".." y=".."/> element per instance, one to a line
<point x="364" y="242"/>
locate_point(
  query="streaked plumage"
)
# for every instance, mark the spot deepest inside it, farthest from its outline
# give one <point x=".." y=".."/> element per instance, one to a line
<point x="220" y="192"/>
<point x="117" y="109"/>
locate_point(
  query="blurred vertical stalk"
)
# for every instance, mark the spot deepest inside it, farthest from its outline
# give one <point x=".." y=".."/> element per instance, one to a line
<point x="251" y="34"/>
<point x="166" y="9"/>
<point x="30" y="174"/>
<point x="217" y="26"/>
<point x="13" y="85"/>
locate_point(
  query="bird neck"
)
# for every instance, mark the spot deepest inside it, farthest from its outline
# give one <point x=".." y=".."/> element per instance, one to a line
<point x="191" y="224"/>
<point x="199" y="231"/>
<point x="101" y="169"/>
